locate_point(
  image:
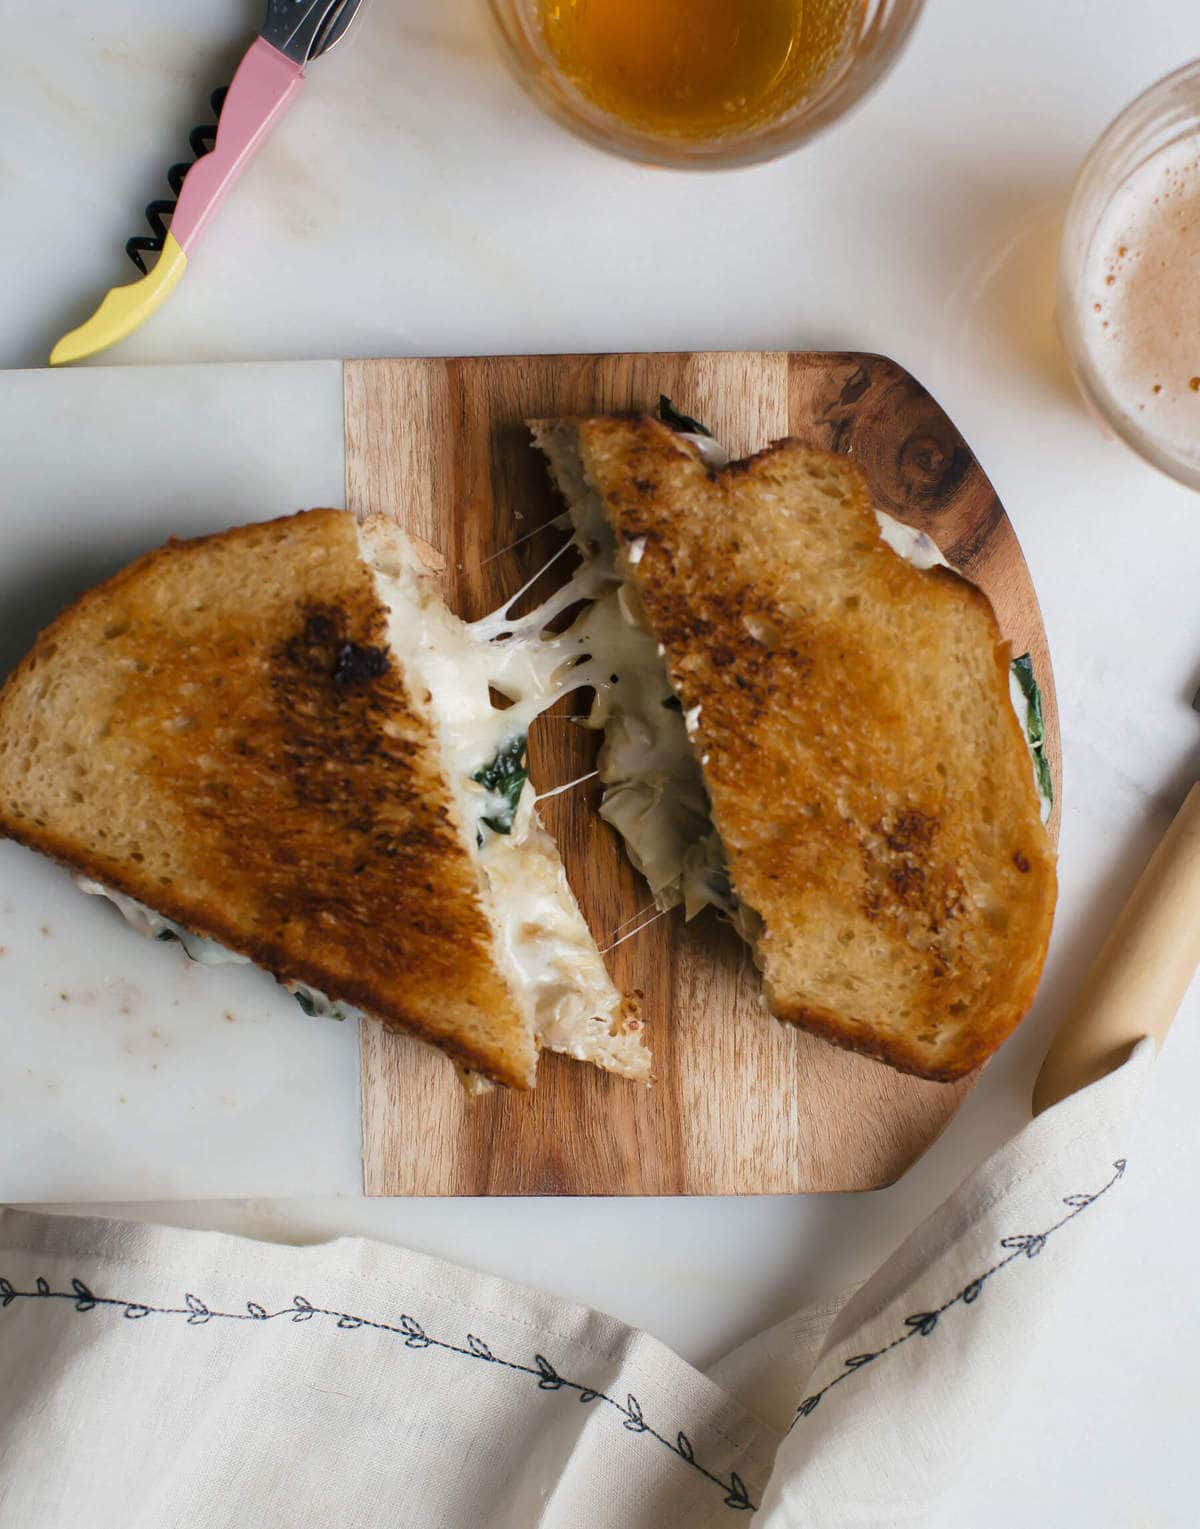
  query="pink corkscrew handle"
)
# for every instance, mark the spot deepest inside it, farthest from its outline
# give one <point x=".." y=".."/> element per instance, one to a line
<point x="262" y="88"/>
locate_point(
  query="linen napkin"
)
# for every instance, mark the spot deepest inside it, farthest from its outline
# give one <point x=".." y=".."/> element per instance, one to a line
<point x="153" y="1378"/>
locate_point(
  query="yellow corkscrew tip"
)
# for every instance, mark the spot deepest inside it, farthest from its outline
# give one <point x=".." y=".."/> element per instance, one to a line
<point x="124" y="309"/>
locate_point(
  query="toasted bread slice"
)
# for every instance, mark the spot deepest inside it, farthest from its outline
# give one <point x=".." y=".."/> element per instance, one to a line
<point x="221" y="733"/>
<point x="867" y="774"/>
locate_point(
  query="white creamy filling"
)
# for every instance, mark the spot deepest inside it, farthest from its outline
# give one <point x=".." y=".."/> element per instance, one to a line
<point x="156" y="927"/>
<point x="1020" y="702"/>
<point x="577" y="1011"/>
<point x="547" y="949"/>
<point x="710" y="452"/>
<point x="461" y="662"/>
<point x="915" y="547"/>
<point x="654" y="791"/>
<point x="207" y="952"/>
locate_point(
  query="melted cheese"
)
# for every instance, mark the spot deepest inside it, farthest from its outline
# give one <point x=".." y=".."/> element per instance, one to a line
<point x="460" y="663"/>
<point x="710" y="452"/>
<point x="654" y="791"/>
<point x="542" y="941"/>
<point x="915" y="547"/>
<point x="156" y="927"/>
<point x="204" y="951"/>
<point x="576" y="1009"/>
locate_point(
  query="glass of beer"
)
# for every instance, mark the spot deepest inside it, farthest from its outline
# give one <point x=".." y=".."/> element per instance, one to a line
<point x="697" y="84"/>
<point x="1129" y="276"/>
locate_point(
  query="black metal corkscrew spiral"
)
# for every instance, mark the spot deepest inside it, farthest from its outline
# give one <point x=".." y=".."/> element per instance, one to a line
<point x="158" y="213"/>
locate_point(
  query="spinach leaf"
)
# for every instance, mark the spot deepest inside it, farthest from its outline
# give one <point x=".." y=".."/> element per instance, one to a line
<point x="677" y="420"/>
<point x="1023" y="669"/>
<point x="1045" y="780"/>
<point x="1035" y="723"/>
<point x="318" y="1007"/>
<point x="505" y="777"/>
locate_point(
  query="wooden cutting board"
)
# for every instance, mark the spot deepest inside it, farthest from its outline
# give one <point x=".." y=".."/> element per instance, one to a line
<point x="741" y="1104"/>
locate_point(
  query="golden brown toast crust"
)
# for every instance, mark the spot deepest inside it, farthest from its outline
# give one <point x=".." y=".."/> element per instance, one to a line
<point x="219" y="732"/>
<point x="868" y="775"/>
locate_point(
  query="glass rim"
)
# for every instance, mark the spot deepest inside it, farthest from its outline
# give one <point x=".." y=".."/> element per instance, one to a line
<point x="1091" y="180"/>
<point x="843" y="89"/>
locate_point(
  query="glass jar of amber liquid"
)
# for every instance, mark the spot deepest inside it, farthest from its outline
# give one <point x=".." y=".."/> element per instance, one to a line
<point x="700" y="83"/>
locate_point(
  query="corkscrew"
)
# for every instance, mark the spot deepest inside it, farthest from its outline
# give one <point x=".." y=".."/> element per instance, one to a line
<point x="201" y="141"/>
<point x="264" y="85"/>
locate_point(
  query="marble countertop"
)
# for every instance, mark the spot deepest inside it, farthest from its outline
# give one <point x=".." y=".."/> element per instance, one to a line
<point x="414" y="202"/>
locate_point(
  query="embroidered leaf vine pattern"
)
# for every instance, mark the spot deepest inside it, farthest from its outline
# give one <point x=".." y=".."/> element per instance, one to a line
<point x="922" y="1323"/>
<point x="197" y="1313"/>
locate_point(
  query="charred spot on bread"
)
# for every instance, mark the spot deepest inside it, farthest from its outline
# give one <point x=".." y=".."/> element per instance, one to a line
<point x="357" y="663"/>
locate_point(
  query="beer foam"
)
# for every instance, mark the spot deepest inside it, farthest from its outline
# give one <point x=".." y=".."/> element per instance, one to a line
<point x="1141" y="298"/>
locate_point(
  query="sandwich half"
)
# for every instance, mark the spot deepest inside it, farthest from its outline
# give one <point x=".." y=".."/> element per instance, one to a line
<point x="811" y="728"/>
<point x="278" y="745"/>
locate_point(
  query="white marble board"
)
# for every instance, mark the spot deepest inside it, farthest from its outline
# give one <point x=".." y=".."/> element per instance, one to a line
<point x="124" y="1069"/>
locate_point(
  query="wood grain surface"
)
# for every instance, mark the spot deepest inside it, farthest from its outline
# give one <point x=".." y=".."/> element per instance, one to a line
<point x="741" y="1104"/>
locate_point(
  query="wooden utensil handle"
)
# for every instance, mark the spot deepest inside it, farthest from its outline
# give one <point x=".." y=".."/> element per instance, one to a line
<point x="1142" y="971"/>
